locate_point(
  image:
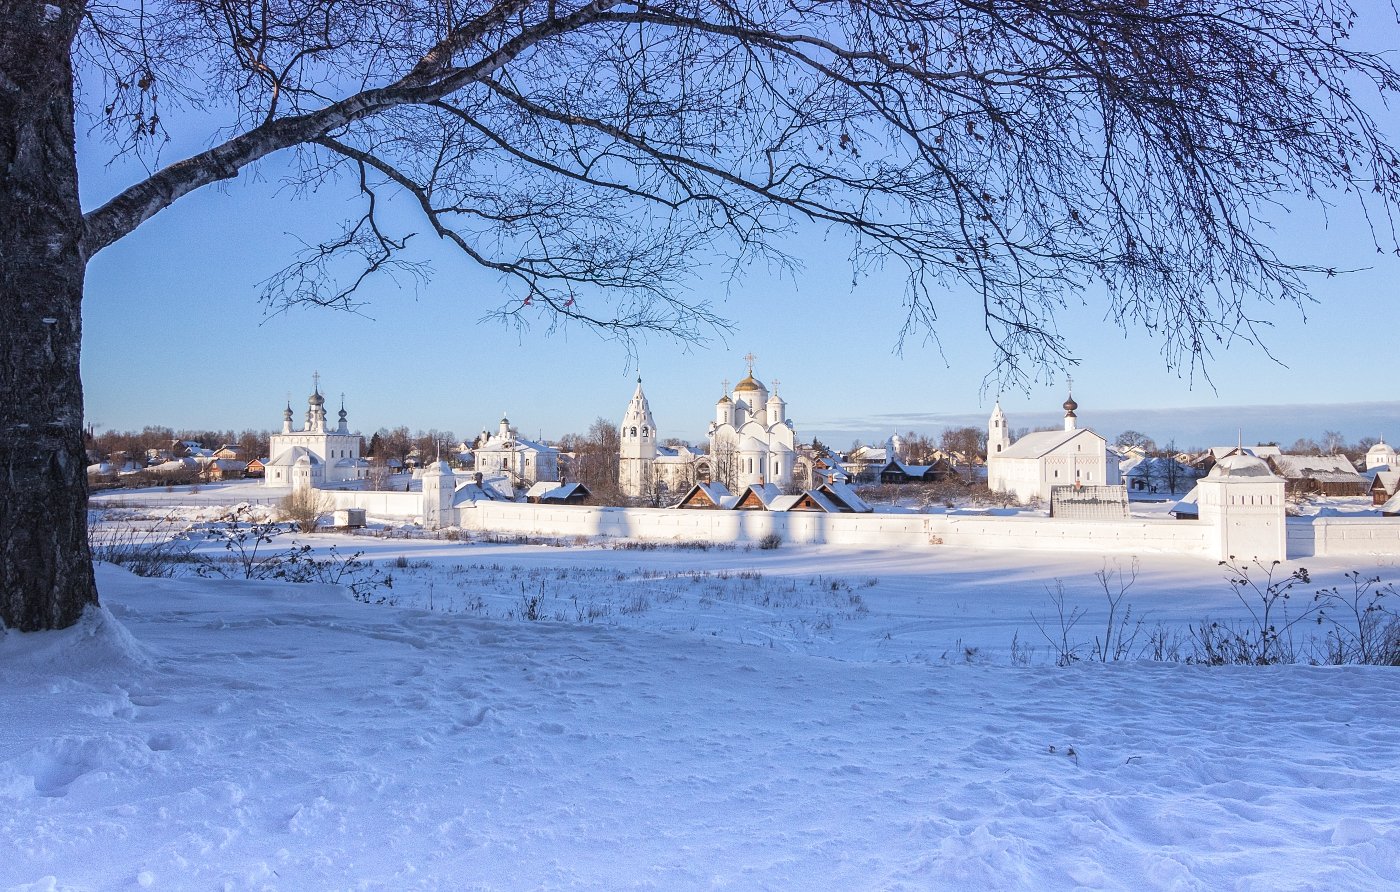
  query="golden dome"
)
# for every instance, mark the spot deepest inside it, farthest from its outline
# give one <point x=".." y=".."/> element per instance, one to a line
<point x="748" y="384"/>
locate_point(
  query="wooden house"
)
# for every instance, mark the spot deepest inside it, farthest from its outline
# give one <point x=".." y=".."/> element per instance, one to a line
<point x="1384" y="485"/>
<point x="811" y="500"/>
<point x="757" y="497"/>
<point x="1327" y="475"/>
<point x="843" y="495"/>
<point x="225" y="469"/>
<point x="555" y="493"/>
<point x="707" y="496"/>
<point x="899" y="472"/>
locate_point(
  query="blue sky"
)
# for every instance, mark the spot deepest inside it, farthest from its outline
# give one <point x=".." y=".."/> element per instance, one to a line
<point x="174" y="334"/>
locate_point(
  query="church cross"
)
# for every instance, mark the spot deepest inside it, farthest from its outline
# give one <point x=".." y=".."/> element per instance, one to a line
<point x="316" y="381"/>
<point x="749" y="358"/>
<point x="724" y="385"/>
<point x="1069" y="383"/>
<point x="776" y="382"/>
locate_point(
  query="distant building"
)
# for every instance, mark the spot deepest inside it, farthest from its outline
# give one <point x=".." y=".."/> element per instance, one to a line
<point x="1328" y="475"/>
<point x="1031" y="466"/>
<point x="524" y="461"/>
<point x="1382" y="455"/>
<point x="316" y="454"/>
<point x="751" y="441"/>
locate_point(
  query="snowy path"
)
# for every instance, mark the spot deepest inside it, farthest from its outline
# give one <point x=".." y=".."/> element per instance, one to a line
<point x="258" y="735"/>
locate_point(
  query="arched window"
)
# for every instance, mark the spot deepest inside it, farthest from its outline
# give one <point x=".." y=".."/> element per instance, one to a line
<point x="634" y="432"/>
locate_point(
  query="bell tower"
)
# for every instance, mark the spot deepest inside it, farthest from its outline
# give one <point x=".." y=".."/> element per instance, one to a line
<point x="637" y="438"/>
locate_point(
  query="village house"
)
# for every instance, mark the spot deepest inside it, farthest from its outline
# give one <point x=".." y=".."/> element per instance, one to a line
<point x="1328" y="475"/>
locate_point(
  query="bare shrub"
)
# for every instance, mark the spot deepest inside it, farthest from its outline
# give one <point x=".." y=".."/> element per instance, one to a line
<point x="303" y="509"/>
<point x="156" y="550"/>
<point x="1362" y="626"/>
<point x="1057" y="629"/>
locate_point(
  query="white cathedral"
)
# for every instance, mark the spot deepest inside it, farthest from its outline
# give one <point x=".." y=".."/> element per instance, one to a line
<point x="751" y="440"/>
<point x="316" y="455"/>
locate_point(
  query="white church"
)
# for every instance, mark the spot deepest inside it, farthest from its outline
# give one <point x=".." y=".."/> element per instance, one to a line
<point x="1029" y="467"/>
<point x="751" y="441"/>
<point x="508" y="454"/>
<point x="315" y="455"/>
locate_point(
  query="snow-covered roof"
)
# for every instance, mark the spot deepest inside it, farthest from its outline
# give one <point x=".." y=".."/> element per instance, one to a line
<point x="868" y="454"/>
<point x="716" y="493"/>
<point x="1391" y="506"/>
<point x="289" y="457"/>
<point x="1260" y="451"/>
<point x="176" y="464"/>
<point x="684" y="453"/>
<point x="823" y="501"/>
<point x="764" y="492"/>
<point x="514" y="444"/>
<point x="845" y="494"/>
<point x="1042" y="443"/>
<point x="1323" y="468"/>
<point x="491" y="489"/>
<point x="1241" y="464"/>
<point x="783" y="502"/>
<point x="553" y="491"/>
<point x="1389" y="480"/>
<point x="1188" y="505"/>
<point x="906" y="470"/>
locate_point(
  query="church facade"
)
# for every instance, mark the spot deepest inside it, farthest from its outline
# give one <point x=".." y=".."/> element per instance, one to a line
<point x="315" y="455"/>
<point x="1029" y="467"/>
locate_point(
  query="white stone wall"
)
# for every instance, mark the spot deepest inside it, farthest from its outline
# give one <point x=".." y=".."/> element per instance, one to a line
<point x="1133" y="536"/>
<point x="1331" y="536"/>
<point x="408" y="505"/>
<point x="1305" y="538"/>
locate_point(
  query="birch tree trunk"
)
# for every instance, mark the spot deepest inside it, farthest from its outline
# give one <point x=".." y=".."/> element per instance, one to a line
<point x="46" y="577"/>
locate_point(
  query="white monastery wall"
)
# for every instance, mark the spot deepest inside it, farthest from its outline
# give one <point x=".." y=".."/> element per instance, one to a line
<point x="1329" y="536"/>
<point x="407" y="505"/>
<point x="889" y="530"/>
<point x="1127" y="536"/>
<point x="1133" y="535"/>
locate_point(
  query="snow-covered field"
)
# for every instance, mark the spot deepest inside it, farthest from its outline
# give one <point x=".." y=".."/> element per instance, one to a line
<point x="525" y="716"/>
